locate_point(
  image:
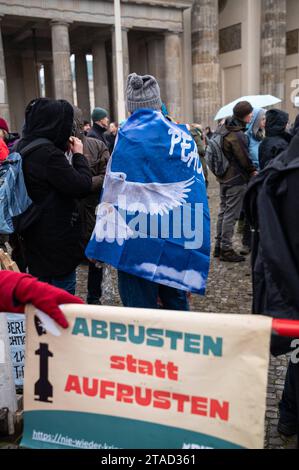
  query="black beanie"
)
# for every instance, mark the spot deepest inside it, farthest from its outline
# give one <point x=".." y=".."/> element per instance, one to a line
<point x="242" y="109"/>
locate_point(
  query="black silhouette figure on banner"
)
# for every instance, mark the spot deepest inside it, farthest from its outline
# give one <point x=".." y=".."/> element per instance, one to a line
<point x="39" y="326"/>
<point x="43" y="388"/>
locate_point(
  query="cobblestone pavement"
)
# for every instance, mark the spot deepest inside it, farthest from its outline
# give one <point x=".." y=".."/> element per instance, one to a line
<point x="229" y="291"/>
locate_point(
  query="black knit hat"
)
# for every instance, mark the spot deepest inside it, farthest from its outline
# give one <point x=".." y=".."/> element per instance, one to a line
<point x="242" y="109"/>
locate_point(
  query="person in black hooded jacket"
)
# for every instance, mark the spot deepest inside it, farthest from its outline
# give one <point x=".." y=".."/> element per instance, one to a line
<point x="277" y="139"/>
<point x="272" y="206"/>
<point x="53" y="243"/>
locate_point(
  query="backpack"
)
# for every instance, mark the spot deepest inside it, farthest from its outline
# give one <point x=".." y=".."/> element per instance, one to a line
<point x="215" y="158"/>
<point x="17" y="211"/>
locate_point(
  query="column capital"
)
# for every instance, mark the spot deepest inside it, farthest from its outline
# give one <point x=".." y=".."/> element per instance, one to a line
<point x="58" y="22"/>
<point x="171" y="32"/>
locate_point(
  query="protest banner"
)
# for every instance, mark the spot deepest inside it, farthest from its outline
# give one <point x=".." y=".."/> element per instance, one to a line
<point x="134" y="378"/>
<point x="16" y="328"/>
<point x="16" y="332"/>
<point x="8" y="400"/>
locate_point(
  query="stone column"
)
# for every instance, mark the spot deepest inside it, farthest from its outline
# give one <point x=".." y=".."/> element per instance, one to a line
<point x="173" y="74"/>
<point x="61" y="60"/>
<point x="205" y="61"/>
<point x="16" y="92"/>
<point x="49" y="79"/>
<point x="251" y="43"/>
<point x="125" y="54"/>
<point x="82" y="84"/>
<point x="126" y="64"/>
<point x="273" y="47"/>
<point x="156" y="61"/>
<point x="100" y="77"/>
<point x="4" y="107"/>
<point x="30" y="78"/>
<point x="187" y="68"/>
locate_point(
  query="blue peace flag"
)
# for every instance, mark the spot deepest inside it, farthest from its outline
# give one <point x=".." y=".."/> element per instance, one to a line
<point x="153" y="218"/>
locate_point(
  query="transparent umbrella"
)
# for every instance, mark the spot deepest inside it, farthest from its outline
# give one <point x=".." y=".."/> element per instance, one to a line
<point x="256" y="101"/>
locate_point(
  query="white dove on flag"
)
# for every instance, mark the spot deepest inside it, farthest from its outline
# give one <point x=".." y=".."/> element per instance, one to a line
<point x="110" y="225"/>
<point x="150" y="198"/>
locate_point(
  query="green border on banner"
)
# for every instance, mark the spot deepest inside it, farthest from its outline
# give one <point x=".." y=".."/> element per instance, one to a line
<point x="72" y="429"/>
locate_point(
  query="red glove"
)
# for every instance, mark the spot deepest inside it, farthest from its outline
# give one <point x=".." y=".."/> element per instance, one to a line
<point x="17" y="290"/>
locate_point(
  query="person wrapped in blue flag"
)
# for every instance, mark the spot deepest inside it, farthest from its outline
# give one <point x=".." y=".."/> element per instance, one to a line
<point x="153" y="221"/>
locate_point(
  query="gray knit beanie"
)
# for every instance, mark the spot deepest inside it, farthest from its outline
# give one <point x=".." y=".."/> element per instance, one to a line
<point x="142" y="92"/>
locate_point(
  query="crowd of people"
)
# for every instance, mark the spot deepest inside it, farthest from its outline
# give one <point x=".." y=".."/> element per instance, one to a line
<point x="65" y="174"/>
<point x="262" y="153"/>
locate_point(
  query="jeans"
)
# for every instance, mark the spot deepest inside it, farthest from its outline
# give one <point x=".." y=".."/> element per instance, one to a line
<point x="231" y="200"/>
<point x="67" y="283"/>
<point x="94" y="284"/>
<point x="140" y="293"/>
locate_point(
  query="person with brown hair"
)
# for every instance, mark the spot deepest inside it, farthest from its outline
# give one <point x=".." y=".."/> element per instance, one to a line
<point x="233" y="183"/>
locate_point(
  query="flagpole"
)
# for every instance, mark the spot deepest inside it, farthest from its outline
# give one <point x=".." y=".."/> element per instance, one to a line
<point x="121" y="110"/>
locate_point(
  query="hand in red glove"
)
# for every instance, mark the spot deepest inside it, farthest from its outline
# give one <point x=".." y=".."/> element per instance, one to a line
<point x="17" y="290"/>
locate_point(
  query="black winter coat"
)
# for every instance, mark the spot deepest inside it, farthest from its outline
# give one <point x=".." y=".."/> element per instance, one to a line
<point x="110" y="139"/>
<point x="98" y="132"/>
<point x="53" y="244"/>
<point x="272" y="205"/>
<point x="277" y="139"/>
